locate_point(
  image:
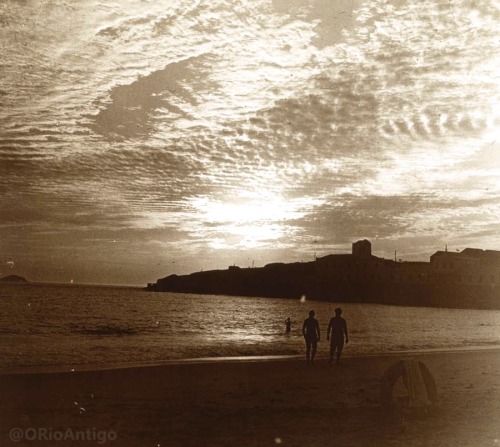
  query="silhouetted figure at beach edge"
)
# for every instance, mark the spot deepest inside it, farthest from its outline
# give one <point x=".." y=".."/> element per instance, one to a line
<point x="310" y="330"/>
<point x="336" y="333"/>
<point x="288" y="325"/>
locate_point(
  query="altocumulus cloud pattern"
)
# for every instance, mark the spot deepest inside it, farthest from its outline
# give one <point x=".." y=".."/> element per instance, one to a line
<point x="142" y="138"/>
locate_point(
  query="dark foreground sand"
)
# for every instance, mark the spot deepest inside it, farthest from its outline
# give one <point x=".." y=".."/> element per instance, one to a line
<point x="262" y="403"/>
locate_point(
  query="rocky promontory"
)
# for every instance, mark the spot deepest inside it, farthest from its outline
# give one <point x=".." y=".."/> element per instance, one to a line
<point x="13" y="278"/>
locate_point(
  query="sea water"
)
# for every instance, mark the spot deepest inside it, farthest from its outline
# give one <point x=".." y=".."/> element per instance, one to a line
<point x="43" y="324"/>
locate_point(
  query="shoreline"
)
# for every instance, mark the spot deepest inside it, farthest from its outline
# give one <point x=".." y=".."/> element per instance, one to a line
<point x="91" y="367"/>
<point x="262" y="402"/>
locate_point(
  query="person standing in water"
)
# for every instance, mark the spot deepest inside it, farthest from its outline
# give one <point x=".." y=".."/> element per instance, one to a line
<point x="337" y="333"/>
<point x="288" y="325"/>
<point x="310" y="330"/>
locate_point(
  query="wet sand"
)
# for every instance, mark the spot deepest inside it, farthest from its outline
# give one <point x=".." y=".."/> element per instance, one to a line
<point x="256" y="403"/>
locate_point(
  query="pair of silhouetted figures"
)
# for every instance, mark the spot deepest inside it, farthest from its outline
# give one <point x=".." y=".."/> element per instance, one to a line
<point x="336" y="334"/>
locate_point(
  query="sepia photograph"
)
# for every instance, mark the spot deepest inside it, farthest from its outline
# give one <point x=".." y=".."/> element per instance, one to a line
<point x="250" y="223"/>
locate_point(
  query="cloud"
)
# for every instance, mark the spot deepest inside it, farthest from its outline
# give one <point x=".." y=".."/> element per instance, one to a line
<point x="360" y="118"/>
<point x="134" y="107"/>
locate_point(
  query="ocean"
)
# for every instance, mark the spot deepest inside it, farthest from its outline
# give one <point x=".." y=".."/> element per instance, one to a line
<point x="74" y="325"/>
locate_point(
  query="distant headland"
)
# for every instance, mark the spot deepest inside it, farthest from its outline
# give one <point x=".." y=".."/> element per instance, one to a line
<point x="467" y="279"/>
<point x="13" y="278"/>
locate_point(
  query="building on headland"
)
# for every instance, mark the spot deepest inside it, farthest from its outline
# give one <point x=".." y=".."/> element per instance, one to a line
<point x="471" y="266"/>
<point x="467" y="279"/>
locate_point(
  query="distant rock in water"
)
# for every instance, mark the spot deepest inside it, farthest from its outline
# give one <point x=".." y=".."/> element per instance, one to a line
<point x="13" y="278"/>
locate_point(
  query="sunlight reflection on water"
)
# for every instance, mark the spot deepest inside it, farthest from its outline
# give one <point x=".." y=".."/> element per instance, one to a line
<point x="66" y="325"/>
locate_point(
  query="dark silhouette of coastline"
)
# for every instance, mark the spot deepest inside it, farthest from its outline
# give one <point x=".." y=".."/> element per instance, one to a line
<point x="13" y="278"/>
<point x="467" y="279"/>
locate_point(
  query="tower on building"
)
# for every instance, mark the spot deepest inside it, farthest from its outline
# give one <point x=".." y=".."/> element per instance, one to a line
<point x="362" y="248"/>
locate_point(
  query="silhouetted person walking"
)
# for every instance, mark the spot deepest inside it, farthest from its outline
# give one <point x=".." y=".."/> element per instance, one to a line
<point x="336" y="333"/>
<point x="288" y="325"/>
<point x="310" y="330"/>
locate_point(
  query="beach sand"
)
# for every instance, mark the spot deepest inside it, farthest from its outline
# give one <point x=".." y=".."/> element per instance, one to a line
<point x="257" y="403"/>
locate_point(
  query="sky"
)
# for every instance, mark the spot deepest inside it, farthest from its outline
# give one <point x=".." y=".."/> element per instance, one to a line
<point x="143" y="138"/>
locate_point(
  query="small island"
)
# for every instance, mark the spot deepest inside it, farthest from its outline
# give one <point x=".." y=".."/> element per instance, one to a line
<point x="13" y="278"/>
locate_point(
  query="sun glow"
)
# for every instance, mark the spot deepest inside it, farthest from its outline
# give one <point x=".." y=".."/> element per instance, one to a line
<point x="249" y="220"/>
<point x="246" y="210"/>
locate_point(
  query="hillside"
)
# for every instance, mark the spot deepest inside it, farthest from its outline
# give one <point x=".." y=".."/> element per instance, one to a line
<point x="13" y="278"/>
